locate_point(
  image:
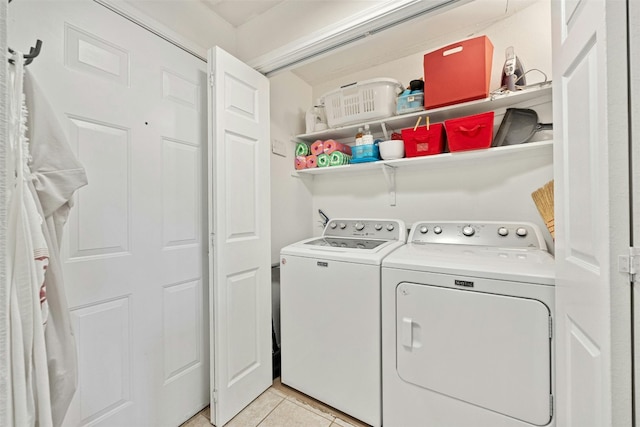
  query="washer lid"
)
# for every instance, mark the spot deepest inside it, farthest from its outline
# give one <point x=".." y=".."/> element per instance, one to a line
<point x="514" y="264"/>
<point x="339" y="242"/>
<point x="372" y="253"/>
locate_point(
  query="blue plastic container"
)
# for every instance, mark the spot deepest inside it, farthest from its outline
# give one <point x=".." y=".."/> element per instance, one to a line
<point x="365" y="153"/>
<point x="410" y="101"/>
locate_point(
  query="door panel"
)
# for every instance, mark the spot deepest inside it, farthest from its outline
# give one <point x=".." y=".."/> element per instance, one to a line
<point x="241" y="205"/>
<point x="489" y="350"/>
<point x="101" y="226"/>
<point x="131" y="105"/>
<point x="239" y="223"/>
<point x="102" y="331"/>
<point x="591" y="213"/>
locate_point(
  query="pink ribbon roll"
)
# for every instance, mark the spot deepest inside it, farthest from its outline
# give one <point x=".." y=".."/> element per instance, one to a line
<point x="312" y="161"/>
<point x="330" y="146"/>
<point x="301" y="162"/>
<point x="317" y="147"/>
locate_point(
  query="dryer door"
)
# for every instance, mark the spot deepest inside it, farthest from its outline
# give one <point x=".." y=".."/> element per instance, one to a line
<point x="493" y="351"/>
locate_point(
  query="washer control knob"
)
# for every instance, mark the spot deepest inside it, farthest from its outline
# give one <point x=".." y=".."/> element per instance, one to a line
<point x="503" y="231"/>
<point x="343" y="226"/>
<point x="437" y="229"/>
<point x="468" y="231"/>
<point x="359" y="226"/>
<point x="378" y="227"/>
<point x="333" y="225"/>
<point x="424" y="229"/>
<point x="390" y="227"/>
<point x="521" y="231"/>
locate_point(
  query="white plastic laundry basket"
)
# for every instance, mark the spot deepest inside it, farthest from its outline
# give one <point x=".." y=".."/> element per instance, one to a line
<point x="362" y="101"/>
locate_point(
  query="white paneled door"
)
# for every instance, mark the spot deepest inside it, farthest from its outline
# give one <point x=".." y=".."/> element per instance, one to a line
<point x="239" y="226"/>
<point x="591" y="158"/>
<point x="634" y="92"/>
<point x="134" y="109"/>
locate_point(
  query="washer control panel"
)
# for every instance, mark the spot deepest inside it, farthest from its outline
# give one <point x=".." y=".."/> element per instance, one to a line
<point x="485" y="233"/>
<point x="384" y="229"/>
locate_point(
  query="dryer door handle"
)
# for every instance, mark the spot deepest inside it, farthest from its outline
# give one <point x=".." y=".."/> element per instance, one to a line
<point x="406" y="335"/>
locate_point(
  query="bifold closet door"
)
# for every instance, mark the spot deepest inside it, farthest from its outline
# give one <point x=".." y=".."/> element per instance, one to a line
<point x="134" y="109"/>
<point x="240" y="234"/>
<point x="592" y="205"/>
<point x="634" y="118"/>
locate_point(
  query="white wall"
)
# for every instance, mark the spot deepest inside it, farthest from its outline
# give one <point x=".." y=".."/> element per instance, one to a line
<point x="495" y="189"/>
<point x="291" y="218"/>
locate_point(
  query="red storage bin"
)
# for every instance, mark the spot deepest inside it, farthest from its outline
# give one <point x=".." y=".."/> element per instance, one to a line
<point x="471" y="132"/>
<point x="458" y="72"/>
<point x="423" y="142"/>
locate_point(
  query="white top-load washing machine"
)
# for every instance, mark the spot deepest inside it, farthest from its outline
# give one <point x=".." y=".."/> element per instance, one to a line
<point x="467" y="331"/>
<point x="330" y="314"/>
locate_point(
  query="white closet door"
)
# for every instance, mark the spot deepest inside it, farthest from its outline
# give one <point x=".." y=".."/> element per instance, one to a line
<point x="240" y="242"/>
<point x="133" y="107"/>
<point x="634" y="92"/>
<point x="591" y="157"/>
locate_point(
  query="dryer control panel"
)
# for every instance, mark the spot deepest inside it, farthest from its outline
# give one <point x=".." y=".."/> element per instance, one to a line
<point x="484" y="233"/>
<point x="383" y="229"/>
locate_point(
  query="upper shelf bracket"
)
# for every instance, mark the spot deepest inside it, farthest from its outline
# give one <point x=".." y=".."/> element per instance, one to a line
<point x="390" y="177"/>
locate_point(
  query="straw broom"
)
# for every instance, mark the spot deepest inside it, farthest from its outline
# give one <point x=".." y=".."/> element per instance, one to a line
<point x="543" y="198"/>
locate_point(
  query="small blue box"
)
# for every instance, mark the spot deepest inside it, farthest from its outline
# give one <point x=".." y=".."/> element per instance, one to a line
<point x="409" y="102"/>
<point x="365" y="153"/>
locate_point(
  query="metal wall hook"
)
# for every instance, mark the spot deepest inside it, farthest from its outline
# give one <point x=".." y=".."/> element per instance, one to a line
<point x="34" y="51"/>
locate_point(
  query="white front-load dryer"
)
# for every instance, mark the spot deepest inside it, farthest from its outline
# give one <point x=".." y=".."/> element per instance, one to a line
<point x="330" y="314"/>
<point x="467" y="327"/>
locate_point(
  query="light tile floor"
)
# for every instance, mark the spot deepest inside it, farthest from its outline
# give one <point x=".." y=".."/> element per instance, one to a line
<point x="282" y="406"/>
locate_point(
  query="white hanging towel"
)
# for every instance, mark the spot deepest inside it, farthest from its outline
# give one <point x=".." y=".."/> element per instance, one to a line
<point x="56" y="175"/>
<point x="27" y="261"/>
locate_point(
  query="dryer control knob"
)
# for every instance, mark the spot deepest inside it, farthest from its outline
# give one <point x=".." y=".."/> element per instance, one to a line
<point x="343" y="225"/>
<point x="424" y="229"/>
<point x="503" y="231"/>
<point x="437" y="229"/>
<point x="359" y="226"/>
<point x="378" y="227"/>
<point x="521" y="231"/>
<point x="390" y="227"/>
<point x="333" y="225"/>
<point x="468" y="231"/>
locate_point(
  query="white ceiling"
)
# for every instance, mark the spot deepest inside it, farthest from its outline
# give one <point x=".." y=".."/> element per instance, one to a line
<point x="240" y="12"/>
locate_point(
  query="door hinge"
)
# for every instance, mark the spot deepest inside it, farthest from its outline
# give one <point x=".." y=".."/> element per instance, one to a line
<point x="551" y="406"/>
<point x="550" y="327"/>
<point x="212" y="241"/>
<point x="630" y="264"/>
<point x="214" y="395"/>
<point x="212" y="80"/>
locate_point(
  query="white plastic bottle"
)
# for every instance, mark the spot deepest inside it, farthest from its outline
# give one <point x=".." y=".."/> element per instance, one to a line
<point x="367" y="137"/>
